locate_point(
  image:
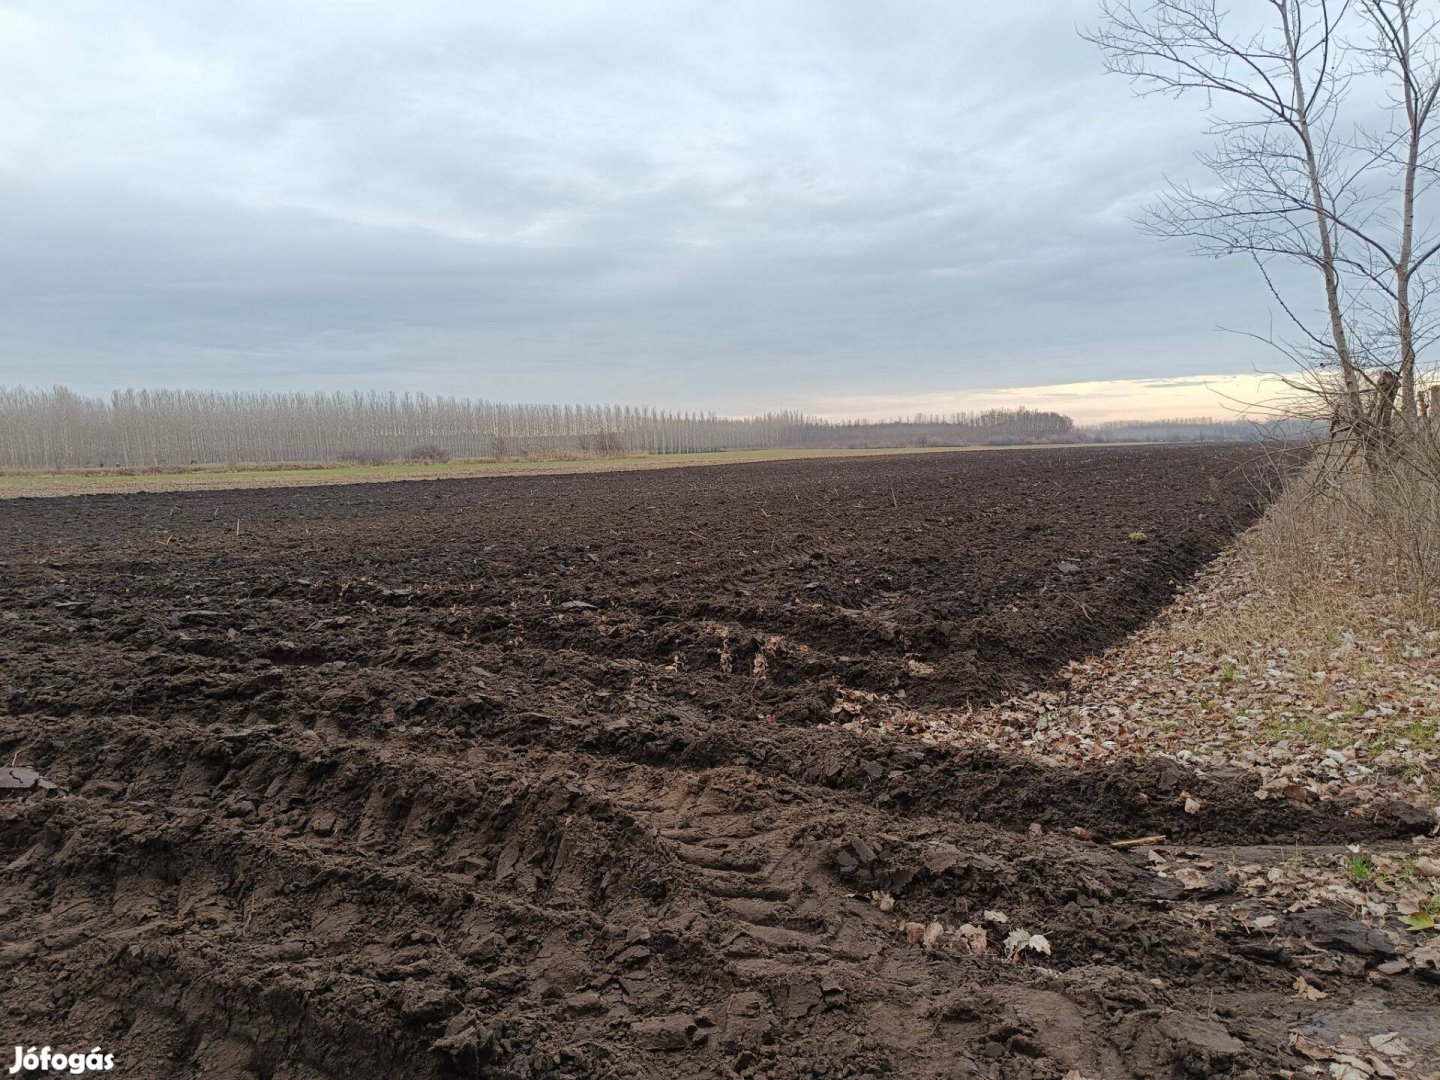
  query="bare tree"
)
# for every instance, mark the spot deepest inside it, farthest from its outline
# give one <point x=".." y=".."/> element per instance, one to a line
<point x="1272" y="197"/>
<point x="1325" y="156"/>
<point x="1322" y="112"/>
<point x="1406" y="51"/>
<point x="57" y="428"/>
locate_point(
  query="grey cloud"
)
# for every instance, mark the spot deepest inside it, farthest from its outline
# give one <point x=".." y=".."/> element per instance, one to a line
<point x="718" y="206"/>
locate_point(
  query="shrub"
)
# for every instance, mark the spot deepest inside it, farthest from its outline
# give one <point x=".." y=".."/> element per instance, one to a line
<point x="605" y="443"/>
<point x="427" y="454"/>
<point x="365" y="457"/>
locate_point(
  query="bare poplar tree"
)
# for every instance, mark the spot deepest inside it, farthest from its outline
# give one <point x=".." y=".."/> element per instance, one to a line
<point x="58" y="428"/>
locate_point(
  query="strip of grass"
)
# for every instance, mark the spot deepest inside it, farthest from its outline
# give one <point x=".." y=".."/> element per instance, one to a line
<point x="37" y="483"/>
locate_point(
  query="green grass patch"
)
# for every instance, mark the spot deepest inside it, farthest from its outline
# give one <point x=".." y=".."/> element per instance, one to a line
<point x="1360" y="868"/>
<point x="39" y="483"/>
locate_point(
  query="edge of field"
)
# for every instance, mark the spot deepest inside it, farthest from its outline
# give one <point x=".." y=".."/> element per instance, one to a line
<point x="1299" y="659"/>
<point x="39" y="483"/>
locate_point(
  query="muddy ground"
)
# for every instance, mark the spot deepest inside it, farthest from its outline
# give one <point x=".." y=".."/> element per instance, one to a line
<point x="537" y="777"/>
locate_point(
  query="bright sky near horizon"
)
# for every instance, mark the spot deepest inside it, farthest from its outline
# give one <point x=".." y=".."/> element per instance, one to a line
<point x="851" y="209"/>
<point x="1223" y="397"/>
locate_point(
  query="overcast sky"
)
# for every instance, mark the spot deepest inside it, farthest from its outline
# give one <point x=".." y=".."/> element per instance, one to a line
<point x="822" y="204"/>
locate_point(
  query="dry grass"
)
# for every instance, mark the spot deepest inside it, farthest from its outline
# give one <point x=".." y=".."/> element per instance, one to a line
<point x="1320" y="569"/>
<point x="585" y="455"/>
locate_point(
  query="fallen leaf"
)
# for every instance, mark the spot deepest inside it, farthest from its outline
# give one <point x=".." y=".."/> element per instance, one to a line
<point x="1191" y="878"/>
<point x="996" y="916"/>
<point x="1390" y="1044"/>
<point x="1425" y="957"/>
<point x="932" y="934"/>
<point x="1306" y="991"/>
<point x="1017" y="941"/>
<point x="974" y="937"/>
<point x="1284" y="788"/>
<point x="1303" y="1044"/>
<point x="882" y="900"/>
<point x="1350" y="1067"/>
<point x="1421" y="920"/>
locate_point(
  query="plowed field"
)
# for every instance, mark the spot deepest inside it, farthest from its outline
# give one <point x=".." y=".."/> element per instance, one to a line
<point x="540" y="777"/>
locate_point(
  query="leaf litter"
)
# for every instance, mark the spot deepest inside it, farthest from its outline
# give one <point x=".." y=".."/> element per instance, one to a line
<point x="1345" y="718"/>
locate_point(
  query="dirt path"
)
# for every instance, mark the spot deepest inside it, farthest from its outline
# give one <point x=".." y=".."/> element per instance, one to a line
<point x="540" y="778"/>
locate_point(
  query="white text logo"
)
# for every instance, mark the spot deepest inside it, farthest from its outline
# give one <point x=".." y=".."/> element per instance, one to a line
<point x="43" y="1059"/>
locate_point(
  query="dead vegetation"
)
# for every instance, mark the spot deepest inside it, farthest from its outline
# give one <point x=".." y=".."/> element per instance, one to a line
<point x="427" y="454"/>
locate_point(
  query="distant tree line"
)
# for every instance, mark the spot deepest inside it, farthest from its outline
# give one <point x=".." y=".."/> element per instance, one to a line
<point x="1203" y="429"/>
<point x="58" y="428"/>
<point x="994" y="427"/>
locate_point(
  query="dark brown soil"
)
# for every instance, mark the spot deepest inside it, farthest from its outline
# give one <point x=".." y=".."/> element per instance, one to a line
<point x="536" y="778"/>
